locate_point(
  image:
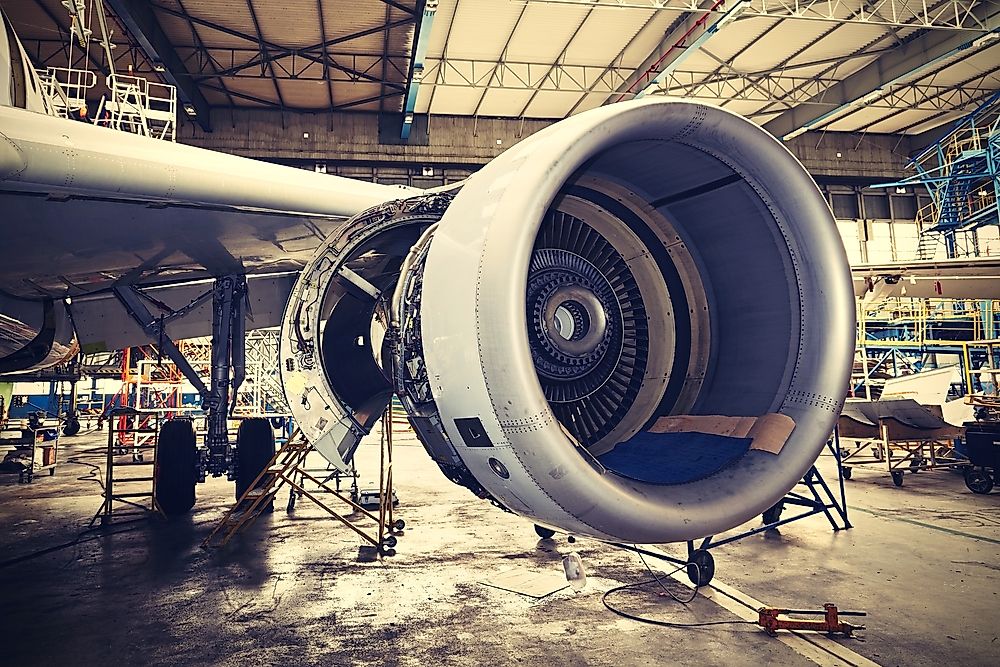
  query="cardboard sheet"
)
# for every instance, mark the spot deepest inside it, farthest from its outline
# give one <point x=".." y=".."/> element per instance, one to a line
<point x="736" y="427"/>
<point x="532" y="583"/>
<point x="769" y="432"/>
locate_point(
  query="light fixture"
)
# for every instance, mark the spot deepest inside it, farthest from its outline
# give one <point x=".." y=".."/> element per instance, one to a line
<point x="986" y="40"/>
<point x="499" y="142"/>
<point x="900" y="191"/>
<point x="873" y="96"/>
<point x="305" y="135"/>
<point x="190" y="110"/>
<point x="158" y="66"/>
<point x="427" y="171"/>
<point x="795" y="133"/>
<point x="839" y="154"/>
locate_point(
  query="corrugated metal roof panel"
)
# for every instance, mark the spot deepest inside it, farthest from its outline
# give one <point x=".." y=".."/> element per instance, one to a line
<point x="261" y="90"/>
<point x="231" y="14"/>
<point x="739" y="35"/>
<point x="304" y="94"/>
<point x="353" y="93"/>
<point x="976" y="66"/>
<point x="647" y="39"/>
<point x="460" y="101"/>
<point x="291" y="23"/>
<point x="552" y="104"/>
<point x="544" y="32"/>
<point x="481" y="28"/>
<point x="443" y="21"/>
<point x="605" y="34"/>
<point x="504" y="102"/>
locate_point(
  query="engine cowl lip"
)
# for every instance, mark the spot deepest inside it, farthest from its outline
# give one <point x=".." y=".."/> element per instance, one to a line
<point x="496" y="251"/>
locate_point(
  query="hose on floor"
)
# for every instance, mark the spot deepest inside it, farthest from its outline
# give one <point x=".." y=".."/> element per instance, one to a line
<point x="658" y="581"/>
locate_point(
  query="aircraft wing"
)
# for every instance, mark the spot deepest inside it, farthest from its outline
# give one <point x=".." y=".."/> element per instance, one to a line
<point x="83" y="206"/>
<point x="962" y="278"/>
<point x="86" y="207"/>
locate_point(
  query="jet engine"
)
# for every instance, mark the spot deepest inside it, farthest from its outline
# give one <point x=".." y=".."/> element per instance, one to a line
<point x="635" y="324"/>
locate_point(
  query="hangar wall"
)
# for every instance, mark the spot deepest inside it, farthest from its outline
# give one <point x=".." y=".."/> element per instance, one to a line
<point x="876" y="225"/>
<point x="466" y="140"/>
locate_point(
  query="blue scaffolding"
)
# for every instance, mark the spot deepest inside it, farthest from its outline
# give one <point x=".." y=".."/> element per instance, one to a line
<point x="961" y="172"/>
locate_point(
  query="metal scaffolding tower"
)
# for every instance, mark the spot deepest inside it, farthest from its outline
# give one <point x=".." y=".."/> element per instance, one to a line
<point x="962" y="174"/>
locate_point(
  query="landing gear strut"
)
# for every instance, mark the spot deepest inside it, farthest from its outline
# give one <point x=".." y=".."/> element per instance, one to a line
<point x="228" y="296"/>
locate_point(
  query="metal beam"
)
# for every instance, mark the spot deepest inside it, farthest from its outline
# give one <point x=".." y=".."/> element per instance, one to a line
<point x="139" y="20"/>
<point x="264" y="55"/>
<point x="950" y="15"/>
<point x="426" y="10"/>
<point x="695" y="37"/>
<point x="65" y="36"/>
<point x="775" y="88"/>
<point x="905" y="64"/>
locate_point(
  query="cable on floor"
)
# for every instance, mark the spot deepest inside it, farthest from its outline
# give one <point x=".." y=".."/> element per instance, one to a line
<point x="657" y="580"/>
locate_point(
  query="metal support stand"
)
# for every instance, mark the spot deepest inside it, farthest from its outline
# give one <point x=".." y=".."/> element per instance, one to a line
<point x="139" y="435"/>
<point x="817" y="498"/>
<point x="228" y="358"/>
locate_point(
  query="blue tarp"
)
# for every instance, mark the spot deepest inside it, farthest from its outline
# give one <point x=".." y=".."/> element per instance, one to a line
<point x="673" y="458"/>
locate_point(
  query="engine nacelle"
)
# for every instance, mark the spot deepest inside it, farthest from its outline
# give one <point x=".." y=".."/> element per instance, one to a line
<point x="34" y="335"/>
<point x="635" y="325"/>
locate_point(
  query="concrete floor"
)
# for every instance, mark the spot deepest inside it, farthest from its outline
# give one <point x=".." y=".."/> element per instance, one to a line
<point x="922" y="560"/>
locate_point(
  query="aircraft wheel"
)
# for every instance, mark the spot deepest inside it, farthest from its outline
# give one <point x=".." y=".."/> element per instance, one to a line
<point x="175" y="467"/>
<point x="700" y="567"/>
<point x="254" y="451"/>
<point x="897" y="477"/>
<point x="543" y="532"/>
<point x="847" y="472"/>
<point x="71" y="427"/>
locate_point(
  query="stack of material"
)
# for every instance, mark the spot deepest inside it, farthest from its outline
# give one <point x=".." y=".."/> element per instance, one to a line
<point x="897" y="436"/>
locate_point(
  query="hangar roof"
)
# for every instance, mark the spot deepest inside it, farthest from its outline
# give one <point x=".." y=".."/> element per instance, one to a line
<point x="887" y="66"/>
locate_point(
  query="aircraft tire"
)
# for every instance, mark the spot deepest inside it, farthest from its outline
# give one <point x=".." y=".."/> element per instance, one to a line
<point x="174" y="467"/>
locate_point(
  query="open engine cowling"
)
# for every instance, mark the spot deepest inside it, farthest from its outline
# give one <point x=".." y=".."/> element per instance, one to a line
<point x="634" y="325"/>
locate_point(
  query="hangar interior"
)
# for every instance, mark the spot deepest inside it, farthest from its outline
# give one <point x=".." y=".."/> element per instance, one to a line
<point x="828" y="270"/>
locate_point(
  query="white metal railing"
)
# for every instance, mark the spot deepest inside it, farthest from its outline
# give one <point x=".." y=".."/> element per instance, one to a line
<point x="65" y="89"/>
<point x="139" y="106"/>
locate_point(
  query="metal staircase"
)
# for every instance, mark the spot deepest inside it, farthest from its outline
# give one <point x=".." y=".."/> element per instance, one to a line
<point x="961" y="172"/>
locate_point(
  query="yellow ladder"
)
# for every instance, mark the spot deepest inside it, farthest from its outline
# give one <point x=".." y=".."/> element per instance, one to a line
<point x="287" y="468"/>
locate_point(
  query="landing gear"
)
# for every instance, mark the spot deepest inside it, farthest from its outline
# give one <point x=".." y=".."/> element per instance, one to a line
<point x="897" y="477"/>
<point x="175" y="469"/>
<point x="543" y="532"/>
<point x="700" y="567"/>
<point x="254" y="450"/>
